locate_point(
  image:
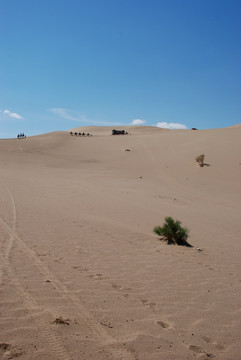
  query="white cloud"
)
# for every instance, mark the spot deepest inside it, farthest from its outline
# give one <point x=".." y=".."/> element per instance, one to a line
<point x="166" y="125"/>
<point x="80" y="118"/>
<point x="138" y="122"/>
<point x="16" y="116"/>
<point x="11" y="114"/>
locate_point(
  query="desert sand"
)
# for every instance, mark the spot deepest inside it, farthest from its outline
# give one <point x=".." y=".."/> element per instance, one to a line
<point x="83" y="276"/>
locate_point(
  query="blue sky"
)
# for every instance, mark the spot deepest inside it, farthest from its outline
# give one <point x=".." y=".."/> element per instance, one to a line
<point x="69" y="63"/>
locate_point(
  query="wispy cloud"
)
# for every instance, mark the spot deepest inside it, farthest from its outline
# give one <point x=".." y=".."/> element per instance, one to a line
<point x="166" y="125"/>
<point x="74" y="116"/>
<point x="138" y="122"/>
<point x="64" y="114"/>
<point x="11" y="114"/>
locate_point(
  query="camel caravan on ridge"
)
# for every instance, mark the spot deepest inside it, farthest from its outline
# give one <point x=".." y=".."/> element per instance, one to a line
<point x="114" y="132"/>
<point x="79" y="134"/>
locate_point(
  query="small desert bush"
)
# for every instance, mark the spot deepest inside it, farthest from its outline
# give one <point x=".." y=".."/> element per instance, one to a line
<point x="173" y="232"/>
<point x="200" y="159"/>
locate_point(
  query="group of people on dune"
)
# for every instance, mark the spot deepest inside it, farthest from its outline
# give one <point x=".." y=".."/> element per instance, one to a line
<point x="21" y="136"/>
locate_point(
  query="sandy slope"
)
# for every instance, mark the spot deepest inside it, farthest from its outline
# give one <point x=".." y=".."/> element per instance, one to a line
<point x="76" y="241"/>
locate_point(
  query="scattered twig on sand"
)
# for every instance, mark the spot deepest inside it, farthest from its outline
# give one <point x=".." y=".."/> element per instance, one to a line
<point x="108" y="325"/>
<point x="60" y="320"/>
<point x="5" y="346"/>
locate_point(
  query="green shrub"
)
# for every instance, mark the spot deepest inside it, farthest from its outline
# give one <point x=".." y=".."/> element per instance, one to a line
<point x="173" y="232"/>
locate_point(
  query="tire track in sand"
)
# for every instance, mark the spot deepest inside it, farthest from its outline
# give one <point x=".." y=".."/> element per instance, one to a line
<point x="40" y="316"/>
<point x="108" y="344"/>
<point x="10" y="241"/>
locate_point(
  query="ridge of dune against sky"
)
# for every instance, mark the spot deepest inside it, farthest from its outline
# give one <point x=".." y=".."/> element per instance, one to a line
<point x="173" y="64"/>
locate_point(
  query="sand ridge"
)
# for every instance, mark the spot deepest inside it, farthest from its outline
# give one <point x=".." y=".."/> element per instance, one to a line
<point x="76" y="221"/>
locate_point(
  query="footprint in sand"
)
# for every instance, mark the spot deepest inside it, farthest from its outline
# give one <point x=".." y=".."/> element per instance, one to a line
<point x="59" y="260"/>
<point x="116" y="286"/>
<point x="151" y="305"/>
<point x="211" y="341"/>
<point x="119" y="287"/>
<point x="97" y="277"/>
<point x="80" y="268"/>
<point x="163" y="324"/>
<point x="126" y="295"/>
<point x="9" y="352"/>
<point x="198" y="350"/>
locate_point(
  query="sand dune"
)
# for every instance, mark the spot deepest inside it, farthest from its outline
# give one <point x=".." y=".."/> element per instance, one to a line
<point x="76" y="244"/>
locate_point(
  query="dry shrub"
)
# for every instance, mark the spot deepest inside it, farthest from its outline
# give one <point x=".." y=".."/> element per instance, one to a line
<point x="200" y="160"/>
